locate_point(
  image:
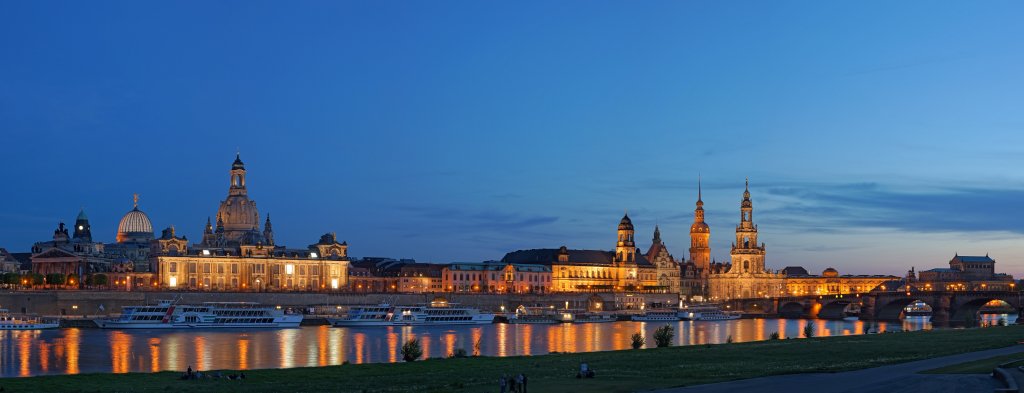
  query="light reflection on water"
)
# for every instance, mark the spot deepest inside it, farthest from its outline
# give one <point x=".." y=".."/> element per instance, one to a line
<point x="72" y="351"/>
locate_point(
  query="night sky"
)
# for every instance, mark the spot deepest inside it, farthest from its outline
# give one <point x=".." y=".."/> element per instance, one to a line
<point x="876" y="135"/>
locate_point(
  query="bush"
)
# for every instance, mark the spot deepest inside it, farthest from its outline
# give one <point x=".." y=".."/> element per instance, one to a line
<point x="774" y="336"/>
<point x="638" y="340"/>
<point x="663" y="336"/>
<point x="808" y="330"/>
<point x="459" y="353"/>
<point x="99" y="279"/>
<point x="411" y="350"/>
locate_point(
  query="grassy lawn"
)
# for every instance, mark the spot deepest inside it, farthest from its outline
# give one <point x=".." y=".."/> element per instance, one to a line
<point x="983" y="366"/>
<point x="617" y="371"/>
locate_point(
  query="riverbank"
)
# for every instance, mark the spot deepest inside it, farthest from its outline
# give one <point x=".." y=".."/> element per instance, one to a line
<point x="617" y="371"/>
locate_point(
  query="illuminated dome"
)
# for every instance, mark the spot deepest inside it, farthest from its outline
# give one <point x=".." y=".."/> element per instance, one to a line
<point x="699" y="227"/>
<point x="135" y="226"/>
<point x="830" y="272"/>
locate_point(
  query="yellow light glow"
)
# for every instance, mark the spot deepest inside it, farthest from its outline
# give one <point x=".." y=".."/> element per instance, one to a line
<point x="289" y="269"/>
<point x="173" y="282"/>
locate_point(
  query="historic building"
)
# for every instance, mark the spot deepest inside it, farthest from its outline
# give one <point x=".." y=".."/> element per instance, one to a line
<point x="496" y="277"/>
<point x="624" y="269"/>
<point x="667" y="269"/>
<point x="965" y="273"/>
<point x="71" y="254"/>
<point x="800" y="283"/>
<point x="747" y="276"/>
<point x="238" y="256"/>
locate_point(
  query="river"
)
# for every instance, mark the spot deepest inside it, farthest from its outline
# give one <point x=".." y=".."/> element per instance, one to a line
<point x="74" y="351"/>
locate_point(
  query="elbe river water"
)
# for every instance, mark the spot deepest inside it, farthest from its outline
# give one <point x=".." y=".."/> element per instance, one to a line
<point x="74" y="351"/>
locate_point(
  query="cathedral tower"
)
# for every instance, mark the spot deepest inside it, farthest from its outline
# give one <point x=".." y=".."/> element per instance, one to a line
<point x="747" y="256"/>
<point x="700" y="237"/>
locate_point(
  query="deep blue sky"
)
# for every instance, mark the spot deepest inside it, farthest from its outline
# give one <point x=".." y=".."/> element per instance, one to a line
<point x="877" y="135"/>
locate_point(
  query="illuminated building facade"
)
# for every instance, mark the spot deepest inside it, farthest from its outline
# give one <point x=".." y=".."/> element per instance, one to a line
<point x="965" y="273"/>
<point x="496" y="277"/>
<point x="625" y="269"/>
<point x="237" y="255"/>
<point x="800" y="283"/>
<point x="746" y="276"/>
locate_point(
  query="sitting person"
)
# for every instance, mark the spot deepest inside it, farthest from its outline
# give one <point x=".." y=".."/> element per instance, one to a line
<point x="585" y="371"/>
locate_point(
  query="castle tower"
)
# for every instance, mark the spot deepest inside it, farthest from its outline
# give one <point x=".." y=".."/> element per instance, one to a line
<point x="625" y="249"/>
<point x="747" y="256"/>
<point x="700" y="237"/>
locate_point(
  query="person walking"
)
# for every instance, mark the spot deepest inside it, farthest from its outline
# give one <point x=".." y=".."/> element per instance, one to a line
<point x="503" y="383"/>
<point x="524" y="382"/>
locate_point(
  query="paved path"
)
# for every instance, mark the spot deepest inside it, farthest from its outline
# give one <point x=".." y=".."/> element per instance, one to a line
<point x="897" y="378"/>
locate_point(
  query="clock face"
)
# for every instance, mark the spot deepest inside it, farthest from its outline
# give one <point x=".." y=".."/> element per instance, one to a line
<point x="81" y="227"/>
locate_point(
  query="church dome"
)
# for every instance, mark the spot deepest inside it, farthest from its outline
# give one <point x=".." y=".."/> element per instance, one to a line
<point x="239" y="213"/>
<point x="135" y="225"/>
<point x="830" y="272"/>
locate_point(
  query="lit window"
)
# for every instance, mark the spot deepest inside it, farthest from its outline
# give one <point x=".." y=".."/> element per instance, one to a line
<point x="206" y="252"/>
<point x="289" y="269"/>
<point x="312" y="255"/>
<point x="334" y="283"/>
<point x="173" y="282"/>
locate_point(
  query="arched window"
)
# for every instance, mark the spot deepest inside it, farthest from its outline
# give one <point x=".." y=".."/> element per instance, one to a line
<point x="746" y="265"/>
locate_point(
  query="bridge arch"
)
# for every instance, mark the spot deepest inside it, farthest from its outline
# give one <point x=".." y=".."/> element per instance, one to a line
<point x="968" y="313"/>
<point x="791" y="309"/>
<point x="893" y="310"/>
<point x="835" y="309"/>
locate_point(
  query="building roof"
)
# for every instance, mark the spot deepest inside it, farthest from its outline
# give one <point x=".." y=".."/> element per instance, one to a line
<point x="941" y="270"/>
<point x="548" y="256"/>
<point x="973" y="259"/>
<point x="498" y="266"/>
<point x="795" y="271"/>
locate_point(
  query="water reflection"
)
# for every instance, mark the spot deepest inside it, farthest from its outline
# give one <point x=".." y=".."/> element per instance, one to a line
<point x="70" y="351"/>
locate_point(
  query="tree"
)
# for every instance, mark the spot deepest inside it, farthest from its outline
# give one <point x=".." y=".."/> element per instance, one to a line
<point x="663" y="336"/>
<point x="411" y="350"/>
<point x="638" y="340"/>
<point x="774" y="336"/>
<point x="99" y="279"/>
<point x="38" y="279"/>
<point x="55" y="279"/>
<point x="808" y="330"/>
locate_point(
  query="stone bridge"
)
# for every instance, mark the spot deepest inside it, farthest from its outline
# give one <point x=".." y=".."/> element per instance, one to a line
<point x="948" y="307"/>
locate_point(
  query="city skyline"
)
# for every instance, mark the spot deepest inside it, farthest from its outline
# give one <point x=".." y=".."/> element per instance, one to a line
<point x="880" y="142"/>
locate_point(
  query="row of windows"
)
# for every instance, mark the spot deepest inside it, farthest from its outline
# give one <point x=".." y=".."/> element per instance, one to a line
<point x="495" y="277"/>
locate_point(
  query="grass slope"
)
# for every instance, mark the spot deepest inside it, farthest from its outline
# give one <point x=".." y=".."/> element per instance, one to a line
<point x="617" y="371"/>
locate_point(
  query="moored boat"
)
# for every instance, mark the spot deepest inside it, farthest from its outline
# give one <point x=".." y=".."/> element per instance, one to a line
<point x="657" y="316"/>
<point x="707" y="313"/>
<point x="435" y="313"/>
<point x="24" y="322"/>
<point x="168" y="315"/>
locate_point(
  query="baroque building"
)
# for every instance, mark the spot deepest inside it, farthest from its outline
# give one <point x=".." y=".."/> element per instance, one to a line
<point x="747" y="276"/>
<point x="624" y="269"/>
<point x="238" y="256"/>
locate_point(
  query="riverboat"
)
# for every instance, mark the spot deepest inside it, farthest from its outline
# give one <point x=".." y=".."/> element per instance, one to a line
<point x="594" y="318"/>
<point x="24" y="322"/>
<point x="435" y="313"/>
<point x="707" y="313"/>
<point x="168" y="315"/>
<point x="657" y="316"/>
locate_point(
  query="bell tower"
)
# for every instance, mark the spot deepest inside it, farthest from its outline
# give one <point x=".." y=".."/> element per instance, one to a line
<point x="625" y="249"/>
<point x="83" y="231"/>
<point x="700" y="237"/>
<point x="747" y="256"/>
